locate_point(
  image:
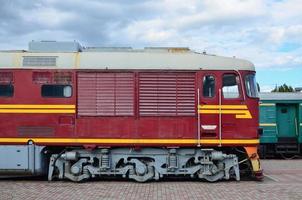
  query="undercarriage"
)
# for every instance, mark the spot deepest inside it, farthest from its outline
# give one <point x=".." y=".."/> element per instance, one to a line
<point x="143" y="164"/>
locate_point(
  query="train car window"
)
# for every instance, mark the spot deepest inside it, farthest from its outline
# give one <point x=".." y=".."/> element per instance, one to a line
<point x="57" y="91"/>
<point x="251" y="86"/>
<point x="208" y="86"/>
<point x="230" y="87"/>
<point x="283" y="110"/>
<point x="6" y="90"/>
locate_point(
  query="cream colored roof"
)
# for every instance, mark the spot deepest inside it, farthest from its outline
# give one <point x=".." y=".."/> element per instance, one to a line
<point x="152" y="59"/>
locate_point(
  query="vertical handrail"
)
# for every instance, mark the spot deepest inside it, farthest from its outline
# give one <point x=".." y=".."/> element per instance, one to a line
<point x="220" y="132"/>
<point x="276" y="119"/>
<point x="296" y="127"/>
<point x="198" y="118"/>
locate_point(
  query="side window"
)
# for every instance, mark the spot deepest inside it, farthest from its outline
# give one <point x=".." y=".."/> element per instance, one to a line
<point x="208" y="86"/>
<point x="56" y="91"/>
<point x="251" y="86"/>
<point x="230" y="87"/>
<point x="6" y="90"/>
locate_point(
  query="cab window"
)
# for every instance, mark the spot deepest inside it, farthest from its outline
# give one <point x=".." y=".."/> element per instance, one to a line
<point x="6" y="90"/>
<point x="251" y="86"/>
<point x="208" y="86"/>
<point x="230" y="87"/>
<point x="56" y="91"/>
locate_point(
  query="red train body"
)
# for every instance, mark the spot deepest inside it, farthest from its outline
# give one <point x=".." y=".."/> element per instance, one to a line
<point x="114" y="108"/>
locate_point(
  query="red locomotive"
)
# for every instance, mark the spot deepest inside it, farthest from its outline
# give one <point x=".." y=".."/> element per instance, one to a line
<point x="77" y="113"/>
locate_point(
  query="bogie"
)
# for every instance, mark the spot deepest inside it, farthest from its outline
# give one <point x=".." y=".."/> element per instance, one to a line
<point x="144" y="164"/>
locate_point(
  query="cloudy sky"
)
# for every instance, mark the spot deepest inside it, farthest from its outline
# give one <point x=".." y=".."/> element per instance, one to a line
<point x="266" y="32"/>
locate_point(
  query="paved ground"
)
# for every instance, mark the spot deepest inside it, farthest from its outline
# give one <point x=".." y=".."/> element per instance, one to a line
<point x="283" y="180"/>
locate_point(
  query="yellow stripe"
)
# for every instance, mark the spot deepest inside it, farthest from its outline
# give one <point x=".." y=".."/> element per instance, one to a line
<point x="268" y="124"/>
<point x="267" y="104"/>
<point x="35" y="106"/>
<point x="77" y="60"/>
<point x="240" y="114"/>
<point x="36" y="111"/>
<point x="222" y="106"/>
<point x="128" y="141"/>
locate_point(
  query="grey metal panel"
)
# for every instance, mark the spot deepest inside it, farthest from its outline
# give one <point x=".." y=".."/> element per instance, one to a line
<point x="53" y="46"/>
<point x="13" y="157"/>
<point x="281" y="96"/>
<point x="22" y="159"/>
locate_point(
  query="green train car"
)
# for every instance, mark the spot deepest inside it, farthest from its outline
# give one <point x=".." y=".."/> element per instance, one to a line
<point x="281" y="124"/>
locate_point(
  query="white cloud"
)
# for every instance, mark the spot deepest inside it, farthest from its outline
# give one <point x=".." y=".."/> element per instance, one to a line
<point x="267" y="88"/>
<point x="48" y="17"/>
<point x="251" y="29"/>
<point x="287" y="11"/>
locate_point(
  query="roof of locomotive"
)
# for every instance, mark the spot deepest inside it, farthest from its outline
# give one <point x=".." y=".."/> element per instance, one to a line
<point x="69" y="55"/>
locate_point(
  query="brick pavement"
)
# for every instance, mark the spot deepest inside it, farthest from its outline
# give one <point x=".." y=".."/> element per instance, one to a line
<point x="283" y="181"/>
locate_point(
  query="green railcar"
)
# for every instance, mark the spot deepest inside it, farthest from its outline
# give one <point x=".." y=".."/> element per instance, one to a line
<point x="281" y="122"/>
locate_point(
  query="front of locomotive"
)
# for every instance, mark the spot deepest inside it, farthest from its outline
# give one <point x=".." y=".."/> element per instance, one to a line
<point x="252" y="128"/>
<point x="228" y="111"/>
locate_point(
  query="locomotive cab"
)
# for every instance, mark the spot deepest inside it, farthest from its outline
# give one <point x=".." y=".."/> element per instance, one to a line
<point x="228" y="102"/>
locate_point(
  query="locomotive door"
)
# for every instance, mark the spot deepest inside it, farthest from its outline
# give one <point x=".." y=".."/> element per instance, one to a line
<point x="208" y="100"/>
<point x="233" y="104"/>
<point x="286" y="116"/>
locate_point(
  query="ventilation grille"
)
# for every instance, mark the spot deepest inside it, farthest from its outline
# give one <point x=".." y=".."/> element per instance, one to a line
<point x="62" y="77"/>
<point x="42" y="77"/>
<point x="49" y="77"/>
<point x="106" y="94"/>
<point x="35" y="131"/>
<point x="6" y="77"/>
<point x="39" y="61"/>
<point x="167" y="94"/>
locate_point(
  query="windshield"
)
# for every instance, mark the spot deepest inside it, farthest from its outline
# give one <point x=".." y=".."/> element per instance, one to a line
<point x="251" y="86"/>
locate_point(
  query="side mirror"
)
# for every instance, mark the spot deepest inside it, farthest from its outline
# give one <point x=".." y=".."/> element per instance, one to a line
<point x="258" y="87"/>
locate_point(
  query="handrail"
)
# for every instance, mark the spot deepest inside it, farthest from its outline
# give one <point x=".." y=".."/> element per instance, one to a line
<point x="220" y="132"/>
<point x="198" y="118"/>
<point x="296" y="127"/>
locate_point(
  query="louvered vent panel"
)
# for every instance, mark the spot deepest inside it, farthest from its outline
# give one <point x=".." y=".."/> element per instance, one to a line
<point x="124" y="94"/>
<point x="106" y="94"/>
<point x="87" y="92"/>
<point x="6" y="77"/>
<point x="63" y="77"/>
<point x="167" y="94"/>
<point x="42" y="77"/>
<point x="39" y="61"/>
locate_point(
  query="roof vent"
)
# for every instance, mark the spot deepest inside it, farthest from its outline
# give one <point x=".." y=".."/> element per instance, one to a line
<point x="53" y="46"/>
<point x="168" y="49"/>
<point x="107" y="49"/>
